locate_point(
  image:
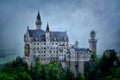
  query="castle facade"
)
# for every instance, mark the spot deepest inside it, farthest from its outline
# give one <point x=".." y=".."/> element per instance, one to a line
<point x="54" y="46"/>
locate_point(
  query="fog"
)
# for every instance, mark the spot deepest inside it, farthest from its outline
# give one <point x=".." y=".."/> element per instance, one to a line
<point x="77" y="17"/>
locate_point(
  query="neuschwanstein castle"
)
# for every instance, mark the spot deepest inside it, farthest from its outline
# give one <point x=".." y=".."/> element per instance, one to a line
<point x="54" y="46"/>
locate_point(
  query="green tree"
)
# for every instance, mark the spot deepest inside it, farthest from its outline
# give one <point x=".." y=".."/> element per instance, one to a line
<point x="93" y="71"/>
<point x="79" y="77"/>
<point x="6" y="76"/>
<point x="69" y="75"/>
<point x="18" y="68"/>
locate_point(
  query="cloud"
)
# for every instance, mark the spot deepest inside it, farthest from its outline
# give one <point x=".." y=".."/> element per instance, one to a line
<point x="78" y="17"/>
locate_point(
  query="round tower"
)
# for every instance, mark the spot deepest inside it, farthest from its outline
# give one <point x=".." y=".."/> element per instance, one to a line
<point x="92" y="42"/>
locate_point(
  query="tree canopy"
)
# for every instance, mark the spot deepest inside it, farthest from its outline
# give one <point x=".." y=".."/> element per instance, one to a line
<point x="105" y="68"/>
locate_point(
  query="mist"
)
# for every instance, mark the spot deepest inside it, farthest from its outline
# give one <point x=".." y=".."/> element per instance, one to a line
<point x="77" y="17"/>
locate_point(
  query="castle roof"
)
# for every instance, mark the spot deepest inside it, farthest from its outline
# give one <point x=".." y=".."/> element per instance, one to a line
<point x="79" y="49"/>
<point x="39" y="35"/>
<point x="92" y="32"/>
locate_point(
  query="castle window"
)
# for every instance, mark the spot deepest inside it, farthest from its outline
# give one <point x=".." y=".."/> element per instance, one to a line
<point x="37" y="43"/>
<point x="34" y="43"/>
<point x="52" y="43"/>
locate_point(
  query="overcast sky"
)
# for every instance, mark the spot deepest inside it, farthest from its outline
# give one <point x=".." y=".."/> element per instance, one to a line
<point x="77" y="17"/>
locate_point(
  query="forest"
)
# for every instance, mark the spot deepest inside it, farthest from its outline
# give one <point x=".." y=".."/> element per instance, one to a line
<point x="106" y="67"/>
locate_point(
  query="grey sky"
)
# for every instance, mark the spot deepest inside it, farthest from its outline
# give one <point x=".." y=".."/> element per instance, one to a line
<point x="78" y="17"/>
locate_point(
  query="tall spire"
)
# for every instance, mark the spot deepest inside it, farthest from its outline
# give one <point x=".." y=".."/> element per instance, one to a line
<point x="38" y="21"/>
<point x="38" y="16"/>
<point x="27" y="28"/>
<point x="47" y="29"/>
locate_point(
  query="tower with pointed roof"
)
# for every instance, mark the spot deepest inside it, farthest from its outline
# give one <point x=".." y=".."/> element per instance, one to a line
<point x="92" y="42"/>
<point x="38" y="21"/>
<point x="47" y="28"/>
<point x="76" y="44"/>
<point x="47" y="35"/>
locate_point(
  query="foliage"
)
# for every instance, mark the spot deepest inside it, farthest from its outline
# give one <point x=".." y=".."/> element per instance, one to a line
<point x="105" y="68"/>
<point x="18" y="69"/>
<point x="79" y="77"/>
<point x="15" y="70"/>
<point x="6" y="76"/>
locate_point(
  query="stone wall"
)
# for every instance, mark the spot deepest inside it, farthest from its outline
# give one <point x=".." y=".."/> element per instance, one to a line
<point x="76" y="67"/>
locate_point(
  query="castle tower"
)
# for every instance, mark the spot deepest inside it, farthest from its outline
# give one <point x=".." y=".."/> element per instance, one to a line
<point x="76" y="44"/>
<point x="47" y="33"/>
<point x="92" y="41"/>
<point x="47" y="36"/>
<point x="26" y="41"/>
<point x="47" y="29"/>
<point x="38" y="21"/>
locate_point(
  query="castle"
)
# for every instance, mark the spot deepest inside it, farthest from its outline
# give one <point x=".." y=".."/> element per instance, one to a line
<point x="54" y="46"/>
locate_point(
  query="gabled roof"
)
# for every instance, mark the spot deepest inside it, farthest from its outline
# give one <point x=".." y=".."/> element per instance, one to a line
<point x="39" y="35"/>
<point x="79" y="49"/>
<point x="59" y="36"/>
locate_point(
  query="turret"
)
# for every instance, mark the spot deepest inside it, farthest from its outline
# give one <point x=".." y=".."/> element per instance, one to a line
<point x="76" y="44"/>
<point x="38" y="21"/>
<point x="92" y="42"/>
<point x="27" y="41"/>
<point x="47" y="33"/>
<point x="47" y="28"/>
